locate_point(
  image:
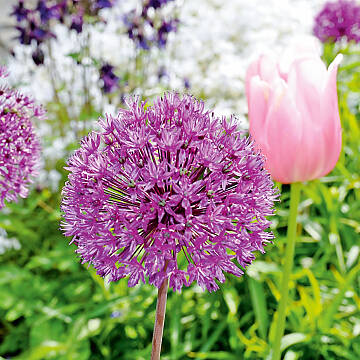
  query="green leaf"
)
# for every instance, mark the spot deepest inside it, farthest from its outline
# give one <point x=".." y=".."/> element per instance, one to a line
<point x="291" y="339"/>
<point x="257" y="294"/>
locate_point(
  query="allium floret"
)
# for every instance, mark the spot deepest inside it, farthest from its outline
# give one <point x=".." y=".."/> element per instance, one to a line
<point x="19" y="146"/>
<point x="168" y="190"/>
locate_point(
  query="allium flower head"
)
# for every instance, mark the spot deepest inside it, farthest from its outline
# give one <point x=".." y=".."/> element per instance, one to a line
<point x="19" y="146"/>
<point x="167" y="190"/>
<point x="337" y="20"/>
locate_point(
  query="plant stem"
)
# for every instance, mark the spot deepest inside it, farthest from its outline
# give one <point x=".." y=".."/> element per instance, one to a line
<point x="159" y="320"/>
<point x="334" y="238"/>
<point x="289" y="259"/>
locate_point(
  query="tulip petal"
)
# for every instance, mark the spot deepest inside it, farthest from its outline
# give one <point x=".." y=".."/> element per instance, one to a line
<point x="330" y="117"/>
<point x="307" y="78"/>
<point x="303" y="46"/>
<point x="264" y="67"/>
<point x="294" y="119"/>
<point x="258" y="97"/>
<point x="283" y="131"/>
<point x="313" y="152"/>
<point x="268" y="69"/>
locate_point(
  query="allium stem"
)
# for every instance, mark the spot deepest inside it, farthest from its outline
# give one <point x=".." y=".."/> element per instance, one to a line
<point x="159" y="320"/>
<point x="289" y="259"/>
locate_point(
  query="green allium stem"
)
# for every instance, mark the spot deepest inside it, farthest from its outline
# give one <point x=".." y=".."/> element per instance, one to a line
<point x="159" y="320"/>
<point x="289" y="259"/>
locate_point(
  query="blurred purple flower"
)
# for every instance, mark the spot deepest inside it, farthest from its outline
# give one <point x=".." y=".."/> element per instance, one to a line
<point x="33" y="31"/>
<point x="337" y="20"/>
<point x="77" y="22"/>
<point x="135" y="29"/>
<point x="162" y="73"/>
<point x="115" y="314"/>
<point x="25" y="35"/>
<point x="47" y="12"/>
<point x="166" y="185"/>
<point x="138" y="24"/>
<point x="38" y="56"/>
<point x="20" y="12"/>
<point x="102" y="4"/>
<point x="165" y="28"/>
<point x="155" y="4"/>
<point x="109" y="79"/>
<point x="63" y="9"/>
<point x="39" y="33"/>
<point x="19" y="146"/>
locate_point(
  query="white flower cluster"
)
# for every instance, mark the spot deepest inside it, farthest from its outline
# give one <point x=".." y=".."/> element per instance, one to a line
<point x="8" y="243"/>
<point x="218" y="39"/>
<point x="212" y="48"/>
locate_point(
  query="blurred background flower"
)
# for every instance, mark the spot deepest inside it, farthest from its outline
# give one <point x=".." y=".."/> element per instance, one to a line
<point x="338" y="20"/>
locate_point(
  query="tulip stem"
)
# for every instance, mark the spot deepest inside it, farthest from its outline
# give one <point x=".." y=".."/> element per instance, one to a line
<point x="159" y="320"/>
<point x="289" y="259"/>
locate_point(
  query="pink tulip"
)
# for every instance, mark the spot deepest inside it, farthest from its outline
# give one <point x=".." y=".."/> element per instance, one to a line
<point x="294" y="115"/>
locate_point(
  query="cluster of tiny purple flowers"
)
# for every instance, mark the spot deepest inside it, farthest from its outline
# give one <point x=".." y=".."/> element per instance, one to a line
<point x="19" y="146"/>
<point x="338" y="20"/>
<point x="147" y="28"/>
<point x="33" y="23"/>
<point x="168" y="190"/>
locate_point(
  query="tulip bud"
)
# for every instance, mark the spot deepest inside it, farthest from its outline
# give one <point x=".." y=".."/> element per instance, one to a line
<point x="294" y="115"/>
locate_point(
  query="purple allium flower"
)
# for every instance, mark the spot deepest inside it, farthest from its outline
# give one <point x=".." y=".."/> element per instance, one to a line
<point x="167" y="190"/>
<point x="337" y="20"/>
<point x="109" y="79"/>
<point x="19" y="146"/>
